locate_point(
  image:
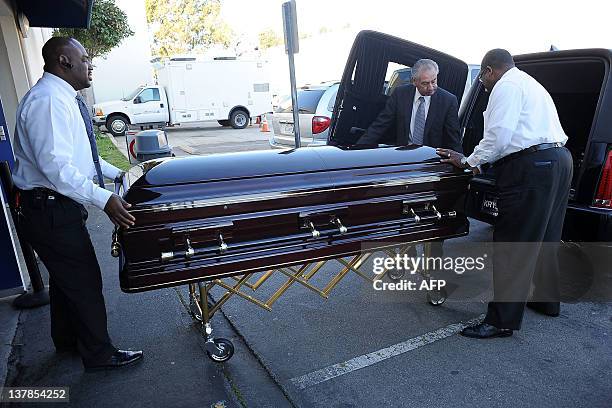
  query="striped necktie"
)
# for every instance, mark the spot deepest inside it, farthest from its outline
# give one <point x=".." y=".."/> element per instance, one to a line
<point x="92" y="138"/>
<point x="419" y="123"/>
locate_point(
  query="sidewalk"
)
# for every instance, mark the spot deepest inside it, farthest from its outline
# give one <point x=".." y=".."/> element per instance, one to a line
<point x="9" y="320"/>
<point x="175" y="371"/>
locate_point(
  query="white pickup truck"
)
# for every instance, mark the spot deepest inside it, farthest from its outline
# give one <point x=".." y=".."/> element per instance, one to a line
<point x="229" y="91"/>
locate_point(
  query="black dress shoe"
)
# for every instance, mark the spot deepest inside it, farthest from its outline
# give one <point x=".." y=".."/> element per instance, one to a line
<point x="485" y="331"/>
<point x="120" y="358"/>
<point x="551" y="309"/>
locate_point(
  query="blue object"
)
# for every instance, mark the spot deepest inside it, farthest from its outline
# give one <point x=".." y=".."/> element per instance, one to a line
<point x="10" y="278"/>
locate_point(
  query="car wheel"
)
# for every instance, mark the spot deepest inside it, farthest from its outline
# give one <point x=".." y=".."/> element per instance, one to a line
<point x="224" y="122"/>
<point x="239" y="119"/>
<point x="117" y="125"/>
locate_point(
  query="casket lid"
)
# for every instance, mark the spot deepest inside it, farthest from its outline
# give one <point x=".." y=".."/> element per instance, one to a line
<point x="245" y="165"/>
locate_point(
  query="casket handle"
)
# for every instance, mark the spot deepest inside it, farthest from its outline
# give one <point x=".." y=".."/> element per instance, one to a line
<point x="338" y="223"/>
<point x="189" y="252"/>
<point x="222" y="244"/>
<point x="115" y="246"/>
<point x="417" y="219"/>
<point x="313" y="230"/>
<point x="436" y="212"/>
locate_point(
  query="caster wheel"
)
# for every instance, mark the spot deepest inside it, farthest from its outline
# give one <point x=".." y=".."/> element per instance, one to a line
<point x="395" y="275"/>
<point x="221" y="350"/>
<point x="436" y="298"/>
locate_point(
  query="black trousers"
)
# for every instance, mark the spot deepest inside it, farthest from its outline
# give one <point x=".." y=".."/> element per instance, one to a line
<point x="533" y="193"/>
<point x="56" y="230"/>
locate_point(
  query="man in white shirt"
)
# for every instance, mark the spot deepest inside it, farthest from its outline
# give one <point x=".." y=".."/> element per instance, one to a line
<point x="524" y="140"/>
<point x="56" y="160"/>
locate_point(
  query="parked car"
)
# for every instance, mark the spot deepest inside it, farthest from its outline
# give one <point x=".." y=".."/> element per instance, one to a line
<point x="316" y="104"/>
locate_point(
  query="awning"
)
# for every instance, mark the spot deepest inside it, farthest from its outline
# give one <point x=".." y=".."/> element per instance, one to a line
<point x="57" y="13"/>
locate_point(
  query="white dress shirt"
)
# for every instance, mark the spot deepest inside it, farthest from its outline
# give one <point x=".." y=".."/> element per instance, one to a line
<point x="415" y="106"/>
<point x="520" y="114"/>
<point x="51" y="145"/>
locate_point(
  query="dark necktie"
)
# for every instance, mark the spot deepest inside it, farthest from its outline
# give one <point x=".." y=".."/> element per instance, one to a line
<point x="419" y="123"/>
<point x="92" y="138"/>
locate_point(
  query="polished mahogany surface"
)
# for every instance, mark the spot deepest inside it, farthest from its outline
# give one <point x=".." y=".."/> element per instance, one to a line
<point x="222" y="215"/>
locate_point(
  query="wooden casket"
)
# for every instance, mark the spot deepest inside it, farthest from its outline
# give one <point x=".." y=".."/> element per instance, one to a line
<point x="215" y="216"/>
<point x="210" y="217"/>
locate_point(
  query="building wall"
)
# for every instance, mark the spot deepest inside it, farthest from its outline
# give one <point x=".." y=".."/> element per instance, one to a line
<point x="128" y="65"/>
<point x="20" y="61"/>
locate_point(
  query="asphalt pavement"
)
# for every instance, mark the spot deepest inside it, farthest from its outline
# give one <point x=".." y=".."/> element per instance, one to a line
<point x="359" y="348"/>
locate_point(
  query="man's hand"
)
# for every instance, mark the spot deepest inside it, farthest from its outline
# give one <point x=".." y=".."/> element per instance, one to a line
<point x="452" y="157"/>
<point x="116" y="209"/>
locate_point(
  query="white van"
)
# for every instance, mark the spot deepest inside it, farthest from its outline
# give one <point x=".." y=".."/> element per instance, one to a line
<point x="226" y="90"/>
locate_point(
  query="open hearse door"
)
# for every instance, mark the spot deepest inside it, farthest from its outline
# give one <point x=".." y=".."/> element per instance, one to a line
<point x="364" y="90"/>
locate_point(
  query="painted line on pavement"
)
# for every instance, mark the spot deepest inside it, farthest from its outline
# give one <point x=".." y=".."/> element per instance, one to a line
<point x="366" y="360"/>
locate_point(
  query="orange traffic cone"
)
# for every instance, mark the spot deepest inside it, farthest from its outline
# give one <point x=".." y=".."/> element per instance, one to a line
<point x="264" y="126"/>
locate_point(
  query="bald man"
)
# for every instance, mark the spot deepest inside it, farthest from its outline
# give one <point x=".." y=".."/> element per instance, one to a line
<point x="524" y="140"/>
<point x="56" y="161"/>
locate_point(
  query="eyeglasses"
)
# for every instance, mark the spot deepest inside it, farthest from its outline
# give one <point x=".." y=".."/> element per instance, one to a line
<point x="482" y="73"/>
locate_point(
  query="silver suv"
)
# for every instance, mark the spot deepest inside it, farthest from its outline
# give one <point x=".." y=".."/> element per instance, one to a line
<point x="316" y="104"/>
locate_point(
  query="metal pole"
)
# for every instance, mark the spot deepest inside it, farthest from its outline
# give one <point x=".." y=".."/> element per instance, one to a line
<point x="291" y="47"/>
<point x="294" y="102"/>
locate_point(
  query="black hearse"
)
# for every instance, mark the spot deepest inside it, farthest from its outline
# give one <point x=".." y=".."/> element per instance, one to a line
<point x="578" y="81"/>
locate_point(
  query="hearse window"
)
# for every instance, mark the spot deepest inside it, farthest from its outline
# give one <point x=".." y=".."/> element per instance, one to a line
<point x="397" y="75"/>
<point x="149" y="94"/>
<point x="474" y="74"/>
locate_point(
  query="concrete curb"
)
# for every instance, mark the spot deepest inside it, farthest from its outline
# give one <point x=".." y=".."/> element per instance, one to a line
<point x="115" y="143"/>
<point x="9" y="321"/>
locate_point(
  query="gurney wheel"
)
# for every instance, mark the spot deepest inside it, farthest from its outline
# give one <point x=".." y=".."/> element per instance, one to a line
<point x="437" y="297"/>
<point x="222" y="350"/>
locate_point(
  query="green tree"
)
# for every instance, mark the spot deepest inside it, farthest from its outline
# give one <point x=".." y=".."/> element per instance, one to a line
<point x="109" y="26"/>
<point x="184" y="26"/>
<point x="269" y="39"/>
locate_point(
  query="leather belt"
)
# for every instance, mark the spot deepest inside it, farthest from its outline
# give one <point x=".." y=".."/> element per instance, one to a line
<point x="531" y="149"/>
<point x="37" y="197"/>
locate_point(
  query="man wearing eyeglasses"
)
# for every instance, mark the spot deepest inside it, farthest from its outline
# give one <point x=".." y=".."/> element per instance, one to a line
<point x="523" y="140"/>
